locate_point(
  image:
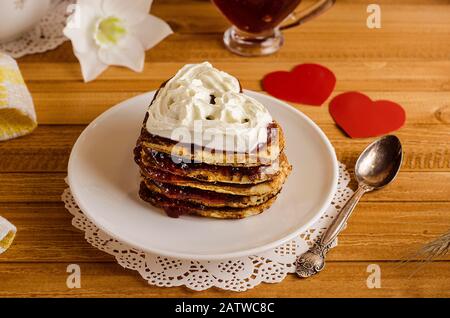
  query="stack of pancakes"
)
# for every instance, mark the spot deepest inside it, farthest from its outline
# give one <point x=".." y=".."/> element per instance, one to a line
<point x="185" y="179"/>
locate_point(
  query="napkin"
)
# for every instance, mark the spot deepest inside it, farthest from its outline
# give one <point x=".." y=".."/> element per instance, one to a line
<point x="7" y="234"/>
<point x="17" y="114"/>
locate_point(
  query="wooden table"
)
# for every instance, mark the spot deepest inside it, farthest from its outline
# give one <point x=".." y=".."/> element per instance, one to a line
<point x="407" y="61"/>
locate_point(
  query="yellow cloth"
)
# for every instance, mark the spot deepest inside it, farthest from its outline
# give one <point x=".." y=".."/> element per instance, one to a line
<point x="7" y="234"/>
<point x="17" y="114"/>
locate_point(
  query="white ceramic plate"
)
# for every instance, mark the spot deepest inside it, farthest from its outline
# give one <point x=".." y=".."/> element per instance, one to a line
<point x="104" y="181"/>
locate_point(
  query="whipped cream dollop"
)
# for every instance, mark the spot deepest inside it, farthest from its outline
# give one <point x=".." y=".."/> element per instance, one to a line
<point x="203" y="105"/>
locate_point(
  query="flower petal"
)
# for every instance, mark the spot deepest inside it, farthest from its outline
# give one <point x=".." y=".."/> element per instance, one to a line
<point x="88" y="12"/>
<point x="81" y="24"/>
<point x="81" y="40"/>
<point x="93" y="4"/>
<point x="151" y="31"/>
<point x="129" y="53"/>
<point x="91" y="65"/>
<point x="131" y="11"/>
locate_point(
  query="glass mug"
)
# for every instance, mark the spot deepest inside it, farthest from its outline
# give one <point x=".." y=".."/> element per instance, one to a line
<point x="257" y="24"/>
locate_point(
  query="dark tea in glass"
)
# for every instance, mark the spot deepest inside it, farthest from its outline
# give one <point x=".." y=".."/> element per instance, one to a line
<point x="256" y="16"/>
<point x="257" y="23"/>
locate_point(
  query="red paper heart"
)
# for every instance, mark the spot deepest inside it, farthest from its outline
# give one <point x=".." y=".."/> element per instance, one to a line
<point x="309" y="84"/>
<point x="360" y="117"/>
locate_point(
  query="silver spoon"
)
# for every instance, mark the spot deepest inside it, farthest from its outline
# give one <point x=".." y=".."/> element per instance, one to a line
<point x="377" y="166"/>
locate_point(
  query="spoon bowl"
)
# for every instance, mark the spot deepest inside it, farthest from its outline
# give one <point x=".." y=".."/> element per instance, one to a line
<point x="380" y="162"/>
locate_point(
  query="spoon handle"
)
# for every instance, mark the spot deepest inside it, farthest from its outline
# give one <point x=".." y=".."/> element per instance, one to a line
<point x="341" y="219"/>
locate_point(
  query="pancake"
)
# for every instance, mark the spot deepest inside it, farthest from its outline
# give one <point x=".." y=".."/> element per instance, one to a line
<point x="176" y="208"/>
<point x="206" y="172"/>
<point x="264" y="154"/>
<point x="236" y="189"/>
<point x="206" y="198"/>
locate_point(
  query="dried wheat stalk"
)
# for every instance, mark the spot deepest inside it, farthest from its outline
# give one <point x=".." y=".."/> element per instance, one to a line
<point x="432" y="250"/>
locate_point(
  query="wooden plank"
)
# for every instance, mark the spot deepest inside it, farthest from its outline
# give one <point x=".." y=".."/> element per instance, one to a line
<point x="204" y="19"/>
<point x="342" y="279"/>
<point x="342" y="17"/>
<point x="31" y="187"/>
<point x="397" y="76"/>
<point x="408" y="187"/>
<point x="48" y="148"/>
<point x="84" y="106"/>
<point x="45" y="234"/>
<point x="430" y="152"/>
<point x="307" y="46"/>
<point x="376" y="232"/>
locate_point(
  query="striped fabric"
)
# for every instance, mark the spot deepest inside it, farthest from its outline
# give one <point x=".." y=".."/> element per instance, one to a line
<point x="17" y="114"/>
<point x="7" y="234"/>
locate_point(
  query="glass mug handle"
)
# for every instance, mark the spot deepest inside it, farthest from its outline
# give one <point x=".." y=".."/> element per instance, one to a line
<point x="297" y="18"/>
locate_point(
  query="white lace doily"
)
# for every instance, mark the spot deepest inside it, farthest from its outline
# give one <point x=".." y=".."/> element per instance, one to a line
<point x="236" y="275"/>
<point x="45" y="36"/>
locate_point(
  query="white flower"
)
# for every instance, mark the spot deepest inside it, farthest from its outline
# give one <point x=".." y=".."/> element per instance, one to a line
<point x="113" y="32"/>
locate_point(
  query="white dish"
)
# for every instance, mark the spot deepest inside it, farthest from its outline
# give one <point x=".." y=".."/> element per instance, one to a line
<point x="104" y="181"/>
<point x="18" y="16"/>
